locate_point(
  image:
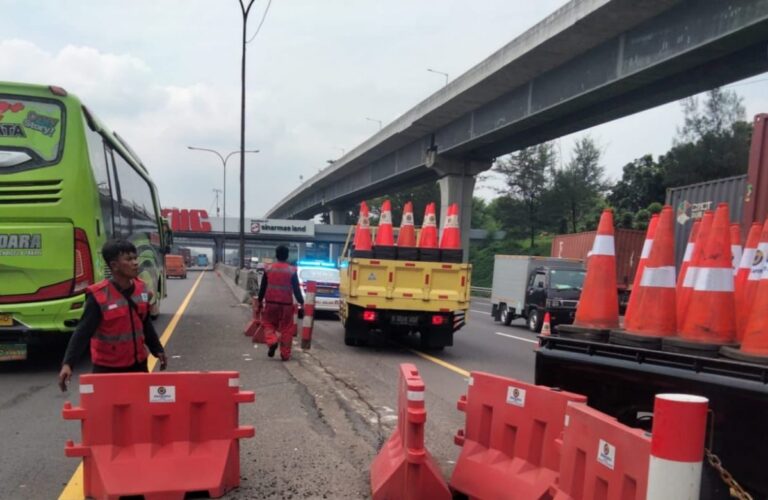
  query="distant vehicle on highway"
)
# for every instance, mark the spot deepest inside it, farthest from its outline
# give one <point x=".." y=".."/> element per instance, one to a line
<point x="202" y="260"/>
<point x="175" y="266"/>
<point x="326" y="276"/>
<point x="68" y="185"/>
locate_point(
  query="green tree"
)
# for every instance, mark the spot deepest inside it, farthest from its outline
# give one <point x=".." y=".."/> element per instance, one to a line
<point x="580" y="186"/>
<point x="525" y="179"/>
<point x="642" y="182"/>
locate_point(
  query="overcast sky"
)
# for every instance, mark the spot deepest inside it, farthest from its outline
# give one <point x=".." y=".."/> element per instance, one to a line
<point x="165" y="74"/>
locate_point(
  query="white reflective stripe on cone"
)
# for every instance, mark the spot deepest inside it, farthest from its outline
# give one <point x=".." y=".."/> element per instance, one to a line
<point x="718" y="279"/>
<point x="688" y="252"/>
<point x="690" y="277"/>
<point x="603" y="245"/>
<point x="659" y="277"/>
<point x="415" y="395"/>
<point x="647" y="245"/>
<point x="669" y="480"/>
<point x="747" y="257"/>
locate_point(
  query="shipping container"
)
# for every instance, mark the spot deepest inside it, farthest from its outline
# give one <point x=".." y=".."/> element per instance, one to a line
<point x="756" y="191"/>
<point x="690" y="203"/>
<point x="628" y="244"/>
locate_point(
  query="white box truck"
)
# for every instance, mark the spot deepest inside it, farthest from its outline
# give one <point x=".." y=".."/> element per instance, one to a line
<point x="527" y="287"/>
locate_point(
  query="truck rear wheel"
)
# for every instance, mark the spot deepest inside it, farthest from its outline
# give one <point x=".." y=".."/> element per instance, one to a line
<point x="506" y="316"/>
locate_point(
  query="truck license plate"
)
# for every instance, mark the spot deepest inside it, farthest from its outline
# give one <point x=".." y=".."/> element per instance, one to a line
<point x="6" y="319"/>
<point x="404" y="319"/>
<point x="13" y="352"/>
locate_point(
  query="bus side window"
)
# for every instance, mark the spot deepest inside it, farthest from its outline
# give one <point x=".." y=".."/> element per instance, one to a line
<point x="98" y="160"/>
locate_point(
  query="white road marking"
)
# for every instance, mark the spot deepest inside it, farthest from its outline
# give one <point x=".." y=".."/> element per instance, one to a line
<point x="517" y="338"/>
<point x="479" y="312"/>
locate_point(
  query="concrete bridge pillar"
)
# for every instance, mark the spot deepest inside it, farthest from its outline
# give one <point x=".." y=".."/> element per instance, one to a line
<point x="457" y="183"/>
<point x="338" y="216"/>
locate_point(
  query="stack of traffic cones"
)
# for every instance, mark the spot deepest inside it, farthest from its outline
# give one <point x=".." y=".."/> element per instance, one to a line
<point x="686" y="281"/>
<point x="384" y="247"/>
<point x="406" y="238"/>
<point x="735" y="247"/>
<point x="362" y="245"/>
<point x="647" y="246"/>
<point x="756" y="271"/>
<point x="450" y="240"/>
<point x="598" y="309"/>
<point x="754" y="345"/>
<point x="428" y="249"/>
<point x="710" y="320"/>
<point x="742" y="275"/>
<point x="654" y="316"/>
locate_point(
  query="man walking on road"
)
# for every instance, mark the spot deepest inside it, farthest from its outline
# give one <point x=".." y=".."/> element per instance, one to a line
<point x="116" y="320"/>
<point x="279" y="286"/>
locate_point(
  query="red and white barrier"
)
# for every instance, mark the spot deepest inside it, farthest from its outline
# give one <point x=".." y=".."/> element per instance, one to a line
<point x="677" y="447"/>
<point x="309" y="315"/>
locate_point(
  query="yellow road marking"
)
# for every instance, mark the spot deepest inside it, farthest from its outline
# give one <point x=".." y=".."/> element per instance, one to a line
<point x="74" y="488"/>
<point x="453" y="368"/>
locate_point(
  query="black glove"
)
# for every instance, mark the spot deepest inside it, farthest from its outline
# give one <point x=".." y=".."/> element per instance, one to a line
<point x="301" y="312"/>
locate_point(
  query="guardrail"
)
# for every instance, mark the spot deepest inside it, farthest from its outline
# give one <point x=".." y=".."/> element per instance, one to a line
<point x="480" y="291"/>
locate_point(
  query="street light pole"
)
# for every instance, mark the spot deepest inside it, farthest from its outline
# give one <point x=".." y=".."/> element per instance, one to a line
<point x="245" y="10"/>
<point x="224" y="161"/>
<point x="375" y="120"/>
<point x="439" y="73"/>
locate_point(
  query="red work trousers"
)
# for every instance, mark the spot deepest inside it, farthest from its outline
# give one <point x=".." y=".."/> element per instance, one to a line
<point x="278" y="319"/>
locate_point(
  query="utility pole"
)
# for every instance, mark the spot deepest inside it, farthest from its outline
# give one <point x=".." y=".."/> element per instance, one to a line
<point x="217" y="191"/>
<point x="245" y="11"/>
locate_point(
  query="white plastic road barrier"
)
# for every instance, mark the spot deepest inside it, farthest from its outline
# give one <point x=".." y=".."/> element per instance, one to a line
<point x="677" y="447"/>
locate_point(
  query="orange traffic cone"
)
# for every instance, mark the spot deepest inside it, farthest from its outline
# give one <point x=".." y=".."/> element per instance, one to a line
<point x="688" y="256"/>
<point x="686" y="281"/>
<point x="406" y="238"/>
<point x="384" y="247"/>
<point x="450" y="240"/>
<point x="647" y="246"/>
<point x="742" y="274"/>
<point x="655" y="296"/>
<point x="362" y="244"/>
<point x="546" y="326"/>
<point x="756" y="271"/>
<point x="428" y="250"/>
<point x="710" y="321"/>
<point x="598" y="309"/>
<point x="735" y="247"/>
<point x="754" y="346"/>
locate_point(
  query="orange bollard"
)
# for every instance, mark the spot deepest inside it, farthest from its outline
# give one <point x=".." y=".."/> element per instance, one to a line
<point x="362" y="243"/>
<point x="406" y="238"/>
<point x="598" y="309"/>
<point x="384" y="245"/>
<point x="742" y="274"/>
<point x="710" y="321"/>
<point x="428" y="248"/>
<point x="647" y="246"/>
<point x="655" y="296"/>
<point x="450" y="240"/>
<point x="309" y="316"/>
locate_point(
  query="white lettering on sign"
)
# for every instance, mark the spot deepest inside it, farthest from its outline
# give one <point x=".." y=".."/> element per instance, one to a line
<point x="282" y="227"/>
<point x="162" y="394"/>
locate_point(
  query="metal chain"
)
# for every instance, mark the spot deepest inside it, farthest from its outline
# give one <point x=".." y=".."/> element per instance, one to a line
<point x="735" y="488"/>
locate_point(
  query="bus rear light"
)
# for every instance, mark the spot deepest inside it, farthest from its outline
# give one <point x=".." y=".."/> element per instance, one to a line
<point x="369" y="316"/>
<point x="437" y="320"/>
<point x="83" y="262"/>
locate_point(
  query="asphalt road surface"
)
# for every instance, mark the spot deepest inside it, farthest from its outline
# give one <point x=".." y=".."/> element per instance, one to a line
<point x="320" y="418"/>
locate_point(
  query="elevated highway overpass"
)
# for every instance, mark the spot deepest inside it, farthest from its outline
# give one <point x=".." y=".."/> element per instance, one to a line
<point x="589" y="62"/>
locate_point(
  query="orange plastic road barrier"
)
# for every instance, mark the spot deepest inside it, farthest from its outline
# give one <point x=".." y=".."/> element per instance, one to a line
<point x="655" y="296"/>
<point x="404" y="469"/>
<point x="159" y="435"/>
<point x="428" y="245"/>
<point x="685" y="288"/>
<point x="309" y="316"/>
<point x="646" y="253"/>
<point x="710" y="321"/>
<point x="736" y="249"/>
<point x="598" y="310"/>
<point x="742" y="274"/>
<point x="450" y="239"/>
<point x="255" y="324"/>
<point x="384" y="244"/>
<point x="601" y="458"/>
<point x="546" y="325"/>
<point x="509" y="447"/>
<point x="362" y="244"/>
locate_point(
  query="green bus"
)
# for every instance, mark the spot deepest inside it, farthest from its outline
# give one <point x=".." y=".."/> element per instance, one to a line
<point x="67" y="184"/>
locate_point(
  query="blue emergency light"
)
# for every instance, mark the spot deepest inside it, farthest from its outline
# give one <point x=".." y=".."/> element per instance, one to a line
<point x="316" y="263"/>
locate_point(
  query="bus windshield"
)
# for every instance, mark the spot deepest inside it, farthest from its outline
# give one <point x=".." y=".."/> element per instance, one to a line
<point x="30" y="132"/>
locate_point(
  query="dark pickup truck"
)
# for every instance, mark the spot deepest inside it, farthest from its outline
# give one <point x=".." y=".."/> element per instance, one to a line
<point x="622" y="382"/>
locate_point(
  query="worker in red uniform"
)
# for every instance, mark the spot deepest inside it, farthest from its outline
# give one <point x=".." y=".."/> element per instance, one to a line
<point x="116" y="320"/>
<point x="279" y="286"/>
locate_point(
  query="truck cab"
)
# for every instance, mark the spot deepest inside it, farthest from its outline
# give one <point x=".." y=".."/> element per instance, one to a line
<point x="554" y="290"/>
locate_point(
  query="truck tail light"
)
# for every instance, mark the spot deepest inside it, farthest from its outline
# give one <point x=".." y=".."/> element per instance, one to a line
<point x="83" y="262"/>
<point x="369" y="316"/>
<point x="437" y="320"/>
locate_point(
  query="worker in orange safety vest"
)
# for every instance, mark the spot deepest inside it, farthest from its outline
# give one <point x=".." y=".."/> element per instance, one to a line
<point x="116" y="320"/>
<point x="279" y="286"/>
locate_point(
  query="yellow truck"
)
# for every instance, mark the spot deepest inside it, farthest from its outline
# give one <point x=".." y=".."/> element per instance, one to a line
<point x="398" y="297"/>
